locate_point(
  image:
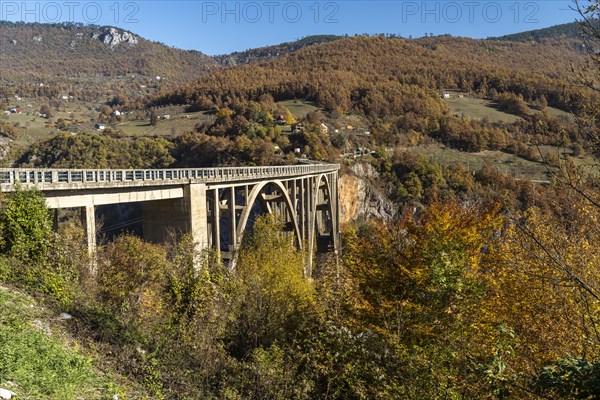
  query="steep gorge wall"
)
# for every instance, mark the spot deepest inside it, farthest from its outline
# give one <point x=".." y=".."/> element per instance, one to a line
<point x="359" y="198"/>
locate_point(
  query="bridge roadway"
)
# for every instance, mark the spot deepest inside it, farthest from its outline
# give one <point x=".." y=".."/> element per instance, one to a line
<point x="215" y="205"/>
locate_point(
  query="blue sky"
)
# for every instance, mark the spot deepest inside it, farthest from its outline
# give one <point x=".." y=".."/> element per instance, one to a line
<point x="219" y="27"/>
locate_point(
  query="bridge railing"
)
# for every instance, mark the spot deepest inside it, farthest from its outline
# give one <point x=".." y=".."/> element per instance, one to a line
<point x="13" y="176"/>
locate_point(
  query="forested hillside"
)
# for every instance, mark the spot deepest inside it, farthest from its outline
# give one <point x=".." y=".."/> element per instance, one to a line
<point x="351" y="74"/>
<point x="54" y="59"/>
<point x="271" y="52"/>
<point x="570" y="30"/>
<point x="397" y="86"/>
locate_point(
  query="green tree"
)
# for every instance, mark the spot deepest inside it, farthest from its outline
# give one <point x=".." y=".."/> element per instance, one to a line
<point x="46" y="111"/>
<point x="25" y="224"/>
<point x="153" y="117"/>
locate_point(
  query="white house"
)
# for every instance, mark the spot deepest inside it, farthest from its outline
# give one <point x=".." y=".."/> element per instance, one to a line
<point x="323" y="128"/>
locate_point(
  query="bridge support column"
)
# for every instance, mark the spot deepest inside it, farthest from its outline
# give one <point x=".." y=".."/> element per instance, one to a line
<point x="335" y="186"/>
<point x="216" y="220"/>
<point x="55" y="220"/>
<point x="88" y="219"/>
<point x="197" y="213"/>
<point x="310" y="225"/>
<point x="185" y="215"/>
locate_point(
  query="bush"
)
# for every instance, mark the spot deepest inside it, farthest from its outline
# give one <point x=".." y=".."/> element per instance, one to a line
<point x="36" y="260"/>
<point x="26" y="225"/>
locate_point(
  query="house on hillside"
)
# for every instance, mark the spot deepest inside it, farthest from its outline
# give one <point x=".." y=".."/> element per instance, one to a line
<point x="323" y="128"/>
<point x="446" y="95"/>
<point x="298" y="128"/>
<point x="100" y="127"/>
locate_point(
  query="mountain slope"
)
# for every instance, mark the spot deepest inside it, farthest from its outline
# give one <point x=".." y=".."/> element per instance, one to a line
<point x="381" y="77"/>
<point x="82" y="54"/>
<point x="274" y="51"/>
<point x="570" y="30"/>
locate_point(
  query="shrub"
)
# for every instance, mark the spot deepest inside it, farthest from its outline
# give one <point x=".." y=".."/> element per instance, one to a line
<point x="25" y="225"/>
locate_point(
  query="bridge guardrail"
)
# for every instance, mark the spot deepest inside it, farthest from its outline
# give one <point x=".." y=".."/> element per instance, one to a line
<point x="13" y="176"/>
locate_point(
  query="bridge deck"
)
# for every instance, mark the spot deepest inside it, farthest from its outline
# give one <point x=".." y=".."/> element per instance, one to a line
<point x="69" y="179"/>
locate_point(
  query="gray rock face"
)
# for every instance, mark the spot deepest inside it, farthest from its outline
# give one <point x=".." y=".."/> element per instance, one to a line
<point x="113" y="37"/>
<point x="359" y="199"/>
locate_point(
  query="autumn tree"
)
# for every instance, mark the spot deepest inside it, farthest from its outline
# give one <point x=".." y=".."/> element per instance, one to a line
<point x="153" y="117"/>
<point x="589" y="11"/>
<point x="420" y="282"/>
<point x="46" y="111"/>
<point x="274" y="293"/>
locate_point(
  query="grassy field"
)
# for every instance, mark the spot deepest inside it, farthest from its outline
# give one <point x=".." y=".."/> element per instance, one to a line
<point x="477" y="108"/>
<point x="509" y="164"/>
<point x="32" y="128"/>
<point x="175" y="126"/>
<point x="299" y="108"/>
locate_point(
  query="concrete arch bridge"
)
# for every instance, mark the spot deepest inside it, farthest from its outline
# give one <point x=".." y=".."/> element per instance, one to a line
<point x="216" y="205"/>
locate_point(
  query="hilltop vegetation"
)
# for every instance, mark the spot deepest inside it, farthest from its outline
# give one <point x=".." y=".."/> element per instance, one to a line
<point x="396" y="85"/>
<point x="270" y="52"/>
<point x="350" y="75"/>
<point x="570" y="30"/>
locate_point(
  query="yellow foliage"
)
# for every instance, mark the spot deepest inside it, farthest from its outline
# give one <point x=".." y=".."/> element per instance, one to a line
<point x="547" y="284"/>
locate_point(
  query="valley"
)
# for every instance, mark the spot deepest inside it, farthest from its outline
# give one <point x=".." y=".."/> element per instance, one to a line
<point x="454" y="255"/>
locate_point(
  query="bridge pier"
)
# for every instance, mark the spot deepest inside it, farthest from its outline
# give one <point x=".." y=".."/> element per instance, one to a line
<point x="88" y="220"/>
<point x="194" y="198"/>
<point x="216" y="221"/>
<point x="188" y="214"/>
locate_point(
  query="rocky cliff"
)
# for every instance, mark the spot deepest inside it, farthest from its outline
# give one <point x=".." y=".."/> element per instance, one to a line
<point x="113" y="37"/>
<point x="359" y="198"/>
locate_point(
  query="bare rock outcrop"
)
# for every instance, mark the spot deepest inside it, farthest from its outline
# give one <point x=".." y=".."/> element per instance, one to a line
<point x="113" y="37"/>
<point x="359" y="198"/>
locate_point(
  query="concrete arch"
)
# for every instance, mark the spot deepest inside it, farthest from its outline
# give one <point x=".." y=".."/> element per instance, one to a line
<point x="325" y="178"/>
<point x="253" y="196"/>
